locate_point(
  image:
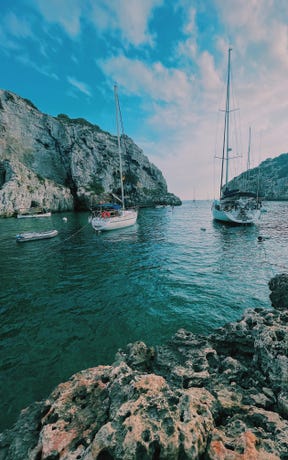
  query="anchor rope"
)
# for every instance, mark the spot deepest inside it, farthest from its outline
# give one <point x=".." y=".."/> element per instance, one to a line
<point x="55" y="245"/>
<point x="75" y="233"/>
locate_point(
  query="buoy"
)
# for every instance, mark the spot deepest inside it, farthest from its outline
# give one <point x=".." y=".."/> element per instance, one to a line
<point x="65" y="219"/>
<point x="262" y="238"/>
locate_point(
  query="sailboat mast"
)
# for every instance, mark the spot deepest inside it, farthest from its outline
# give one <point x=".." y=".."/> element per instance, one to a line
<point x="228" y="115"/>
<point x="119" y="143"/>
<point x="226" y="149"/>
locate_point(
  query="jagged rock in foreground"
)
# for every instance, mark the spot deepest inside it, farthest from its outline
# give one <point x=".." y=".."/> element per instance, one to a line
<point x="222" y="397"/>
<point x="66" y="164"/>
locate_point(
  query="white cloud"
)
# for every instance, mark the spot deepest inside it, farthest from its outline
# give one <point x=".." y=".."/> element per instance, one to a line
<point x="129" y="17"/>
<point x="79" y="85"/>
<point x="17" y="27"/>
<point x="12" y="31"/>
<point x="155" y="80"/>
<point x="44" y="70"/>
<point x="279" y="42"/>
<point x="209" y="75"/>
<point x="258" y="25"/>
<point x="66" y="13"/>
<point x="7" y="44"/>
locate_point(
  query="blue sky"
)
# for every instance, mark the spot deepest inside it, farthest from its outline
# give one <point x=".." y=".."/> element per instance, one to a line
<point x="169" y="59"/>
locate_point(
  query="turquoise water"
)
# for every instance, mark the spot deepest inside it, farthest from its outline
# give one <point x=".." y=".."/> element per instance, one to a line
<point x="70" y="302"/>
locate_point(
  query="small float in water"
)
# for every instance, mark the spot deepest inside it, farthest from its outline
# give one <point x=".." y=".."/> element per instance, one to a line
<point x="32" y="236"/>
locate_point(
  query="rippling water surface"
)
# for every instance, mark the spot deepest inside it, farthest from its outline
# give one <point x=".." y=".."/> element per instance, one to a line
<point x="70" y="302"/>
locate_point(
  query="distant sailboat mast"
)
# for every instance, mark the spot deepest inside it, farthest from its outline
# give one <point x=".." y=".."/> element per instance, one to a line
<point x="118" y="116"/>
<point x="249" y="148"/>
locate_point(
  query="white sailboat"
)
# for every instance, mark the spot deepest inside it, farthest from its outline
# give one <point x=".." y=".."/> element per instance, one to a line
<point x="233" y="206"/>
<point x="112" y="216"/>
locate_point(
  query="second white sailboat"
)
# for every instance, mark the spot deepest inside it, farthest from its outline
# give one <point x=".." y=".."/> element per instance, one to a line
<point x="233" y="206"/>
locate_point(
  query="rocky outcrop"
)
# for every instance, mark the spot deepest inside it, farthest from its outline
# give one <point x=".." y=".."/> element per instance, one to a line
<point x="269" y="180"/>
<point x="67" y="164"/>
<point x="23" y="189"/>
<point x="222" y="397"/>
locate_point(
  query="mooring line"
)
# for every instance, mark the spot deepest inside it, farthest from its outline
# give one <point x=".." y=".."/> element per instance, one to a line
<point x="70" y="236"/>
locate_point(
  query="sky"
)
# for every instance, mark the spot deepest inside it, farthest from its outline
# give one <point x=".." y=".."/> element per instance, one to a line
<point x="169" y="60"/>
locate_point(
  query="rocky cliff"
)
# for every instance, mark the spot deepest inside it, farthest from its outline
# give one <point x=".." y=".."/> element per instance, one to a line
<point x="222" y="397"/>
<point x="269" y="179"/>
<point x="66" y="164"/>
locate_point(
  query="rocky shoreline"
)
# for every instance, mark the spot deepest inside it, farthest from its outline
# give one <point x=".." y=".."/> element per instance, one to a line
<point x="221" y="397"/>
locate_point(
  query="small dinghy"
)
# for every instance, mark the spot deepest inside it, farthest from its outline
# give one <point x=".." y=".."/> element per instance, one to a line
<point x="35" y="211"/>
<point x="31" y="236"/>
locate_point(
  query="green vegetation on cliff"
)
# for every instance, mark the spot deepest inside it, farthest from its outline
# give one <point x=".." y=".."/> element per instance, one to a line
<point x="269" y="179"/>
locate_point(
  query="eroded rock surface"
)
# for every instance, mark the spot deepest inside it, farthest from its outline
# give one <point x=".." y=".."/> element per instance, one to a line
<point x="66" y="164"/>
<point x="222" y="397"/>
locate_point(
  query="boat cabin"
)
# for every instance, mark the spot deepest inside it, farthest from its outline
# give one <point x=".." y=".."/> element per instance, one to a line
<point x="106" y="210"/>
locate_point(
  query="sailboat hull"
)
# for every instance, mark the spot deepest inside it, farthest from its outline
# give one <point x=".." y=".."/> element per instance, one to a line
<point x="126" y="218"/>
<point x="235" y="214"/>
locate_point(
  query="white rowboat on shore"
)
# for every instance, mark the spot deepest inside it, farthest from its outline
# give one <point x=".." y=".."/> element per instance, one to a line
<point x="35" y="211"/>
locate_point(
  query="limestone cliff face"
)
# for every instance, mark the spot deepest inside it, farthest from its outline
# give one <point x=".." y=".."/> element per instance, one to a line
<point x="269" y="179"/>
<point x="67" y="164"/>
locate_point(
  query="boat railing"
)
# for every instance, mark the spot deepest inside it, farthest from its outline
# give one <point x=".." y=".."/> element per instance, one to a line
<point x="105" y="213"/>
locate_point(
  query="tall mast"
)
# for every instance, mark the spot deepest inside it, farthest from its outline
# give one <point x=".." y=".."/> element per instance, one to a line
<point x="226" y="149"/>
<point x="249" y="147"/>
<point x="117" y="106"/>
<point x="228" y="115"/>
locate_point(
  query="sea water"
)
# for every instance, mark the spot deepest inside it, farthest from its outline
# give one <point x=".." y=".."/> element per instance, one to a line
<point x="71" y="302"/>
